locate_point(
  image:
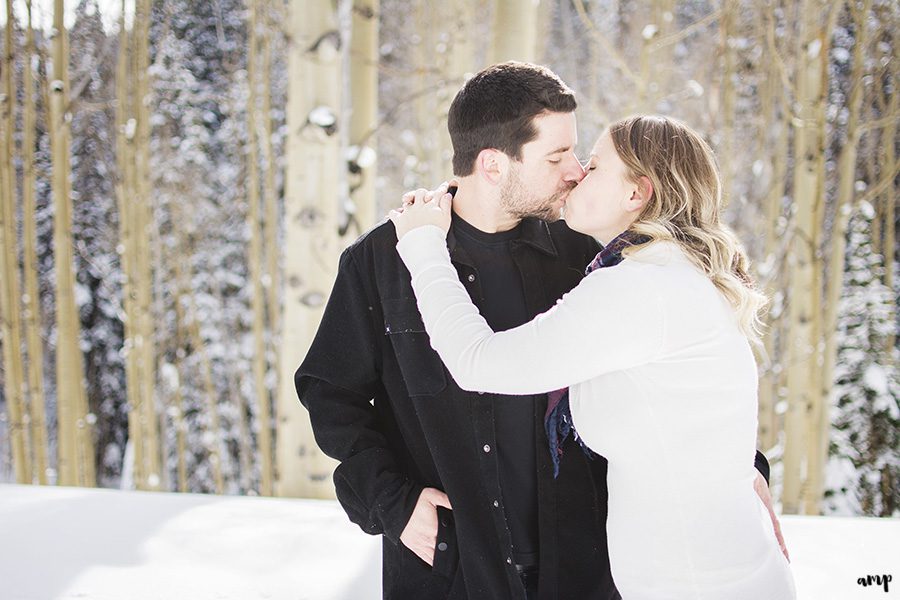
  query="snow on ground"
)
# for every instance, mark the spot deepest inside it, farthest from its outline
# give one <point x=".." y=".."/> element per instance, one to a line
<point x="91" y="544"/>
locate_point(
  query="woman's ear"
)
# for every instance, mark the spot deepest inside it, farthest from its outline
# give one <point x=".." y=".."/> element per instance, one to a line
<point x="641" y="195"/>
<point x="492" y="165"/>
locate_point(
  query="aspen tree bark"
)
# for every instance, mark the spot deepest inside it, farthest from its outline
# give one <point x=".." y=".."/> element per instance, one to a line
<point x="32" y="309"/>
<point x="271" y="278"/>
<point x="255" y="259"/>
<point x="774" y="111"/>
<point x="125" y="191"/>
<point x="209" y="389"/>
<point x="889" y="199"/>
<point x="311" y="246"/>
<point x="10" y="296"/>
<point x="726" y="156"/>
<point x="182" y="285"/>
<point x="426" y="64"/>
<point x="364" y="116"/>
<point x="820" y="423"/>
<point x="76" y="456"/>
<point x="809" y="139"/>
<point x="818" y="414"/>
<point x="189" y="323"/>
<point x="460" y="61"/>
<point x="234" y="378"/>
<point x="144" y="223"/>
<point x="515" y="31"/>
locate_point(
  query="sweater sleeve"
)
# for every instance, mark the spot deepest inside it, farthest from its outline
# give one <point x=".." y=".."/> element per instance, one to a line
<point x="611" y="321"/>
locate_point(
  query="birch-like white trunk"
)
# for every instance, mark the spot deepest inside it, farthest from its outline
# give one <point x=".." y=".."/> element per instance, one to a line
<point x="311" y="245"/>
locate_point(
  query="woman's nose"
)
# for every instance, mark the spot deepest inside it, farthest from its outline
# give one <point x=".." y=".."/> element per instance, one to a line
<point x="576" y="171"/>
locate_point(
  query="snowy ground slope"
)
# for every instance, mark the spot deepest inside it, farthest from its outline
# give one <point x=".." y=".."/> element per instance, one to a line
<point x="68" y="543"/>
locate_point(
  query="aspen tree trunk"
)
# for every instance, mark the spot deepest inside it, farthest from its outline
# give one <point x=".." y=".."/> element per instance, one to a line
<point x="311" y="229"/>
<point x="234" y="378"/>
<point x="271" y="278"/>
<point x="642" y="101"/>
<point x="189" y="322"/>
<point x="775" y="111"/>
<point x="125" y="191"/>
<point x="802" y="380"/>
<point x="209" y="389"/>
<point x="255" y="259"/>
<point x="889" y="165"/>
<point x="32" y="312"/>
<point x="727" y="29"/>
<point x="426" y="103"/>
<point x="364" y="116"/>
<point x="460" y="62"/>
<point x="542" y="31"/>
<point x="515" y="31"/>
<point x="144" y="222"/>
<point x="76" y="456"/>
<point x="182" y="285"/>
<point x="818" y="415"/>
<point x="820" y="425"/>
<point x="10" y="296"/>
<point x="772" y="100"/>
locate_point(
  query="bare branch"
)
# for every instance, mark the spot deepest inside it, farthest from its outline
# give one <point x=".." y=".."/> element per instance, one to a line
<point x="611" y="52"/>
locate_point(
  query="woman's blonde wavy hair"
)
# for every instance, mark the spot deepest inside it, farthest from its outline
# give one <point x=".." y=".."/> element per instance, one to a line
<point x="685" y="205"/>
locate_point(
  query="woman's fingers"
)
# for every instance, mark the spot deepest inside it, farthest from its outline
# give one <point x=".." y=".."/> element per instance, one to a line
<point x="423" y="196"/>
<point x="445" y="202"/>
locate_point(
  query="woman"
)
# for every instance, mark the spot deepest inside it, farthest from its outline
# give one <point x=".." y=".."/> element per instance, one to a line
<point x="656" y="351"/>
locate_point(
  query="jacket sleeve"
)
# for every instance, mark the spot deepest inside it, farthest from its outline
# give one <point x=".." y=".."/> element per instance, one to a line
<point x="762" y="465"/>
<point x="337" y="383"/>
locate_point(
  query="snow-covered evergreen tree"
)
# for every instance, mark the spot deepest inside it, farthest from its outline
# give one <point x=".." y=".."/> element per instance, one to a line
<point x="864" y="470"/>
<point x="96" y="236"/>
<point x="198" y="49"/>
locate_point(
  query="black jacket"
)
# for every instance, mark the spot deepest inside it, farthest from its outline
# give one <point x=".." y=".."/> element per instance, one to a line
<point x="383" y="405"/>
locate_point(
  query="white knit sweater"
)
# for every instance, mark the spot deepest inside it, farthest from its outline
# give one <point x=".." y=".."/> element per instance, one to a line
<point x="662" y="383"/>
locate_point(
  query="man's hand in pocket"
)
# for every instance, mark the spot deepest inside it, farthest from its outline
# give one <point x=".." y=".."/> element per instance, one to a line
<point x="420" y="533"/>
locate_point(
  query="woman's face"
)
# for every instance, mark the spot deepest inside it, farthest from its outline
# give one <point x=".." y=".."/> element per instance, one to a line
<point x="601" y="205"/>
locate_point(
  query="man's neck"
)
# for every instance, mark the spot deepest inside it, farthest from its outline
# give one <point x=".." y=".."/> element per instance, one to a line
<point x="481" y="208"/>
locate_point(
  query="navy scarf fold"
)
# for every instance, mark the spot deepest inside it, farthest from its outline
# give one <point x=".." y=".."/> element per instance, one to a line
<point x="558" y="418"/>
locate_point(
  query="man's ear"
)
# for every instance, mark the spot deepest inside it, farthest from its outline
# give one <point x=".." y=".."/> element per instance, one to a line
<point x="643" y="191"/>
<point x="492" y="165"/>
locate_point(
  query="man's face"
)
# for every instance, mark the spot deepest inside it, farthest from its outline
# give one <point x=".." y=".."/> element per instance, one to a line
<point x="538" y="185"/>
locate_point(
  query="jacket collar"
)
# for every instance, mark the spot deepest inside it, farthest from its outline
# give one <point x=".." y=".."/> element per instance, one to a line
<point x="535" y="233"/>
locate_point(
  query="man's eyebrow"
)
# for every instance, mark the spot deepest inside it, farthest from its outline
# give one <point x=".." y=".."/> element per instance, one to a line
<point x="559" y="150"/>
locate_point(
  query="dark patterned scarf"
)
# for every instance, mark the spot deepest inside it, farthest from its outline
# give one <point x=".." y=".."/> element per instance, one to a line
<point x="558" y="418"/>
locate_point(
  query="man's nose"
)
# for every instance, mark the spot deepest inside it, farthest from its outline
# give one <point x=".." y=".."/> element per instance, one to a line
<point x="575" y="171"/>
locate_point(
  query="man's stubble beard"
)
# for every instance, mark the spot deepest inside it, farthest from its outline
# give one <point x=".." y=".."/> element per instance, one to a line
<point x="519" y="202"/>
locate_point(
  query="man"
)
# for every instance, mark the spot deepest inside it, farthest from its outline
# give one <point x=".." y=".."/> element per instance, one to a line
<point x="461" y="484"/>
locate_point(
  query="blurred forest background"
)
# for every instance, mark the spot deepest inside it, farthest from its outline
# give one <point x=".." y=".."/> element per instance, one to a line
<point x="178" y="177"/>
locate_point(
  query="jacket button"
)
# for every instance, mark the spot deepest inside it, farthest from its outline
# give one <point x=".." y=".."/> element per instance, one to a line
<point x="508" y="561"/>
<point x="496" y="504"/>
<point x="487" y="447"/>
<point x="442" y="546"/>
<point x="471" y="277"/>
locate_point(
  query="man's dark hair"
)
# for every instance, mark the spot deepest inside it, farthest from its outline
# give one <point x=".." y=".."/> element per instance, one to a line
<point x="496" y="109"/>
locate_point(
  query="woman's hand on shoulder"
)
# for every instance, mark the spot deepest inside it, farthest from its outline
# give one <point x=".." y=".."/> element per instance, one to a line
<point x="423" y="207"/>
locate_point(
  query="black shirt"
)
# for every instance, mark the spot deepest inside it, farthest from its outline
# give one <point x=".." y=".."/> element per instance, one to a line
<point x="503" y="307"/>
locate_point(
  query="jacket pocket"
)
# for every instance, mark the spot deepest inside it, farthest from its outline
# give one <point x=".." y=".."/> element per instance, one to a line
<point x="446" y="551"/>
<point x="422" y="369"/>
